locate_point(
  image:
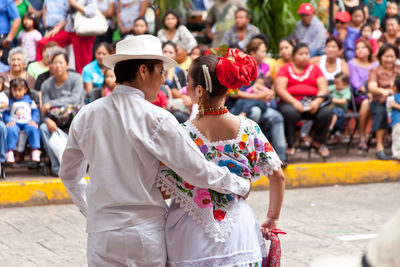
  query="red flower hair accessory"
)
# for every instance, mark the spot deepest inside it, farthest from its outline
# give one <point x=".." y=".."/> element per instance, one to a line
<point x="234" y="68"/>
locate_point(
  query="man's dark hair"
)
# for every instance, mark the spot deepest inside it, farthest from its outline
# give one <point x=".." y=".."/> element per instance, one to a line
<point x="248" y="15"/>
<point x="126" y="71"/>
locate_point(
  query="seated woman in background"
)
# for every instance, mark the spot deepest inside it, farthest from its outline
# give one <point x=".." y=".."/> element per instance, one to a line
<point x="359" y="68"/>
<point x="176" y="80"/>
<point x="285" y="47"/>
<point x="64" y="88"/>
<point x="381" y="80"/>
<point x="18" y="60"/>
<point x="175" y="32"/>
<point x="391" y="33"/>
<point x="93" y="73"/>
<point x="331" y="63"/>
<point x="302" y="88"/>
<point x="140" y="26"/>
<point x="38" y="67"/>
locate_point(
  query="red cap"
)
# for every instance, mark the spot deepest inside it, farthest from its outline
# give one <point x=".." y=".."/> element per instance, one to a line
<point x="343" y="16"/>
<point x="305" y="8"/>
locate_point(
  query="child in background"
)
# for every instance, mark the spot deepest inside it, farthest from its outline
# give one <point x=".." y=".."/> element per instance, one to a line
<point x="366" y="34"/>
<point x="394" y="105"/>
<point x="375" y="22"/>
<point x="109" y="83"/>
<point x="140" y="26"/>
<point x="3" y="97"/>
<point x="341" y="94"/>
<point x="30" y="35"/>
<point x="22" y="114"/>
<point x="353" y="32"/>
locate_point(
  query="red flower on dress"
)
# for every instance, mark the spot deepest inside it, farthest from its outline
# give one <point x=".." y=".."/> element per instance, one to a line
<point x="188" y="186"/>
<point x="252" y="156"/>
<point x="242" y="145"/>
<point x="268" y="147"/>
<point x="219" y="215"/>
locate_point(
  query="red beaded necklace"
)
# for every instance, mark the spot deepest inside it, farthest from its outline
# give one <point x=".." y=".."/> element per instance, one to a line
<point x="213" y="111"/>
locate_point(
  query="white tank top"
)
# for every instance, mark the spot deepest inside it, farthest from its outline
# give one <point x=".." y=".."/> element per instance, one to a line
<point x="330" y="76"/>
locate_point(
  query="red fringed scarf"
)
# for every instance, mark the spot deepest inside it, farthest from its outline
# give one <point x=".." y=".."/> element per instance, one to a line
<point x="274" y="254"/>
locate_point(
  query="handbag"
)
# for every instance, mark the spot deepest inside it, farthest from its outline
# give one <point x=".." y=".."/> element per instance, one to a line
<point x="307" y="100"/>
<point x="85" y="26"/>
<point x="63" y="115"/>
<point x="58" y="142"/>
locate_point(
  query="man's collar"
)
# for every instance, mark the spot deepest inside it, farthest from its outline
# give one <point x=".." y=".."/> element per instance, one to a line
<point x="124" y="89"/>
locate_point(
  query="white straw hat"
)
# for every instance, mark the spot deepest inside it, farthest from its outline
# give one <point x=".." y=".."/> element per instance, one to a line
<point x="139" y="47"/>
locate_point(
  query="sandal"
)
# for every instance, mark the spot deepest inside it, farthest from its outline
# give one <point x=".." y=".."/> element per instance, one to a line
<point x="307" y="140"/>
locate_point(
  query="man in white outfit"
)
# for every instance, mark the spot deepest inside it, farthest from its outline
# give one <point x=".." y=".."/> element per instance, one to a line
<point x="123" y="138"/>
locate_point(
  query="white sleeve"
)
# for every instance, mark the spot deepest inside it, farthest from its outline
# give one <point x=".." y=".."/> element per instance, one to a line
<point x="171" y="145"/>
<point x="72" y="172"/>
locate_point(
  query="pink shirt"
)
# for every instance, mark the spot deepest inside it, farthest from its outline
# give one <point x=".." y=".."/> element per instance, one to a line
<point x="28" y="41"/>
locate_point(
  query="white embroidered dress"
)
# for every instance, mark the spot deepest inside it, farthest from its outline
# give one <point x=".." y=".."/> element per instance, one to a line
<point x="206" y="228"/>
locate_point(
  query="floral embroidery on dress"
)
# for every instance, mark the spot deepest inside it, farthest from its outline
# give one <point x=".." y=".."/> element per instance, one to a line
<point x="250" y="156"/>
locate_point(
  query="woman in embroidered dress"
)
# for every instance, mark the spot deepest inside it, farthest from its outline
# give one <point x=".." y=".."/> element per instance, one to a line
<point x="205" y="228"/>
<point x="295" y="82"/>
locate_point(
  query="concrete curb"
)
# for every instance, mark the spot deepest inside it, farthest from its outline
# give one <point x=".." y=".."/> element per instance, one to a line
<point x="44" y="192"/>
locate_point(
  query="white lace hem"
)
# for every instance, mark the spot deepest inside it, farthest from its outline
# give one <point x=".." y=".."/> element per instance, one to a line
<point x="218" y="230"/>
<point x="239" y="258"/>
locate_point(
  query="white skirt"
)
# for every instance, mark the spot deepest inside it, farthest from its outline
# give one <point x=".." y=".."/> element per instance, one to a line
<point x="189" y="245"/>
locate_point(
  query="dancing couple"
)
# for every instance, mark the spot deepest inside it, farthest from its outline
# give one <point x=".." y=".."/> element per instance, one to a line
<point x="138" y="153"/>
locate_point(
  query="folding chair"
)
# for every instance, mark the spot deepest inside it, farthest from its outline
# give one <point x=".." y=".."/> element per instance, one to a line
<point x="352" y="114"/>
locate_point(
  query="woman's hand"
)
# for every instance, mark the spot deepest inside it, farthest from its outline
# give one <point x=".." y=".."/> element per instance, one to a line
<point x="268" y="224"/>
<point x="34" y="124"/>
<point x="51" y="125"/>
<point x="362" y="89"/>
<point x="51" y="33"/>
<point x="187" y="101"/>
<point x="314" y="105"/>
<point x="298" y="106"/>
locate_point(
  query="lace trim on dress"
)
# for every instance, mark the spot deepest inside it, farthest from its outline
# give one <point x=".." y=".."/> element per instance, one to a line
<point x="221" y="142"/>
<point x="218" y="230"/>
<point x="242" y="257"/>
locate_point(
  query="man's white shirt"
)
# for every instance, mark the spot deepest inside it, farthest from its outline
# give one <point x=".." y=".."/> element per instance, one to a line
<point x="123" y="138"/>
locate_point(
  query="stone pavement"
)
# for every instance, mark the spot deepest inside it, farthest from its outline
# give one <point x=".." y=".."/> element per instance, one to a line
<point x="314" y="218"/>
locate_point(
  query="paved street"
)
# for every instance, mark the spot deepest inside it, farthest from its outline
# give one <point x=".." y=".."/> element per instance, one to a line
<point x="313" y="218"/>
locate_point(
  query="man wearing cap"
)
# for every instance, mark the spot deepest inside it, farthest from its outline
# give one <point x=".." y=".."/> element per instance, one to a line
<point x="346" y="33"/>
<point x="123" y="138"/>
<point x="310" y="30"/>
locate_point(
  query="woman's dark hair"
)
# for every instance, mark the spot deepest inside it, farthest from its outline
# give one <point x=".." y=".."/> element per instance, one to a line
<point x="368" y="46"/>
<point x="335" y="39"/>
<point x="397" y="83"/>
<point x="291" y="40"/>
<point x="106" y="45"/>
<point x="365" y="26"/>
<point x="343" y="77"/>
<point x="170" y="43"/>
<point x="126" y="71"/>
<point x="263" y="37"/>
<point x="354" y="9"/>
<point x="172" y="12"/>
<point x="32" y="17"/>
<point x="385" y="47"/>
<point x="58" y="53"/>
<point x="372" y="19"/>
<point x="17" y="82"/>
<point x="141" y="18"/>
<point x="197" y="75"/>
<point x="254" y="45"/>
<point x="298" y="46"/>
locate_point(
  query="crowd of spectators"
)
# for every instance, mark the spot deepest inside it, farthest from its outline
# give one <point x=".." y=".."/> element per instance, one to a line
<point x="307" y="89"/>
